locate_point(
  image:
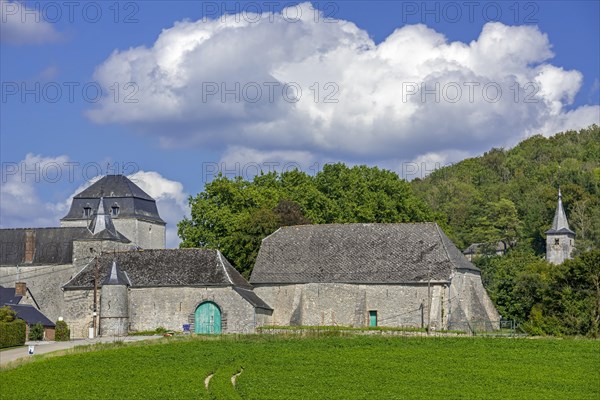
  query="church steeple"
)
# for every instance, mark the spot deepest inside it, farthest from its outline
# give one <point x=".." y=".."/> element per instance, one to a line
<point x="560" y="239"/>
<point x="560" y="218"/>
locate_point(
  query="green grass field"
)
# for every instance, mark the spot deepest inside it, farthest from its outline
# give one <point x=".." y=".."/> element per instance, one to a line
<point x="360" y="367"/>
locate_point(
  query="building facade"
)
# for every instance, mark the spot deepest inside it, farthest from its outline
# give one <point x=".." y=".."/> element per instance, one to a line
<point x="394" y="275"/>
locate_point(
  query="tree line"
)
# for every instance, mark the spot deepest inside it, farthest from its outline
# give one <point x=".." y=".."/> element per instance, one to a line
<point x="507" y="195"/>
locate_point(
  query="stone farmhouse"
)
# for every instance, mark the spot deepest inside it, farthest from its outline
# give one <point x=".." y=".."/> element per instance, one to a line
<point x="106" y="271"/>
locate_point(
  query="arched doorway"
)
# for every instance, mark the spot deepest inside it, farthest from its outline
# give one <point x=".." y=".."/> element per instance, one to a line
<point x="207" y="318"/>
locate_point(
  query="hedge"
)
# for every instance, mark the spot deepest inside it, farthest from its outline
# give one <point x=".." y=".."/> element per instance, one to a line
<point x="36" y="332"/>
<point x="62" y="332"/>
<point x="12" y="333"/>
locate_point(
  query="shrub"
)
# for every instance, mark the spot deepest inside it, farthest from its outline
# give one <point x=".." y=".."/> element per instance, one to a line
<point x="36" y="332"/>
<point x="62" y="332"/>
<point x="12" y="333"/>
<point x="7" y="314"/>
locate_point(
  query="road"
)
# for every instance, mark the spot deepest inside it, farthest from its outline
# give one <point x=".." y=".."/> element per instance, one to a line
<point x="7" y="356"/>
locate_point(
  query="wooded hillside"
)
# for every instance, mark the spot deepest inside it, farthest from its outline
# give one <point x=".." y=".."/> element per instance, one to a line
<point x="512" y="194"/>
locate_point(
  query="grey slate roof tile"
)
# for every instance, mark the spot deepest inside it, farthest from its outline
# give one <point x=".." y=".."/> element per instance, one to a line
<point x="164" y="267"/>
<point x="115" y="190"/>
<point x="358" y="253"/>
<point x="31" y="315"/>
<point x="8" y="297"/>
<point x="52" y="245"/>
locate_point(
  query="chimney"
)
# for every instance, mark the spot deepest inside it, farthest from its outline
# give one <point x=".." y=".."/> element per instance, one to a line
<point x="29" y="245"/>
<point x="20" y="289"/>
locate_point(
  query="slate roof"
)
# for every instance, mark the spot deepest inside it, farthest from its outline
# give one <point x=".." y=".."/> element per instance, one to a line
<point x="116" y="276"/>
<point x="52" y="245"/>
<point x="31" y="315"/>
<point x="113" y="186"/>
<point x="358" y="253"/>
<point x="252" y="298"/>
<point x="476" y="248"/>
<point x="163" y="267"/>
<point x="7" y="296"/>
<point x="560" y="224"/>
<point x="115" y="190"/>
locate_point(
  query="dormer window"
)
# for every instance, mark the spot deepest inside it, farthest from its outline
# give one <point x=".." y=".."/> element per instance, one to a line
<point x="114" y="210"/>
<point x="87" y="211"/>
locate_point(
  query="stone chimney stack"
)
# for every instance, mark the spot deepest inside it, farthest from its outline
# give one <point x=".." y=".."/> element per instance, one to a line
<point x="20" y="289"/>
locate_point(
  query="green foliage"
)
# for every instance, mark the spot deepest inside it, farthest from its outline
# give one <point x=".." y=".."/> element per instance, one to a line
<point x="158" y="331"/>
<point x="62" y="332"/>
<point x="36" y="332"/>
<point x="12" y="333"/>
<point x="7" y="314"/>
<point x="512" y="194"/>
<point x="234" y="215"/>
<point x="547" y="299"/>
<point x="277" y="368"/>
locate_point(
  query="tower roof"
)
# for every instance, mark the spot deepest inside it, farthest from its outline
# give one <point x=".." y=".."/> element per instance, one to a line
<point x="116" y="276"/>
<point x="118" y="194"/>
<point x="560" y="223"/>
<point x="113" y="186"/>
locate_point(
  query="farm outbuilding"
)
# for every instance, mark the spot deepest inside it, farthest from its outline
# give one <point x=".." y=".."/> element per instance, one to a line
<point x="394" y="275"/>
<point x="145" y="289"/>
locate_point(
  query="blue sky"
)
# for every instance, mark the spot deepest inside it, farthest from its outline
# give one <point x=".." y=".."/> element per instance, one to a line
<point x="383" y="83"/>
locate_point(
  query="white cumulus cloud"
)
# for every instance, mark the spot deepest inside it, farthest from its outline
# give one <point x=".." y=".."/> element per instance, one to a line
<point x="261" y="86"/>
<point x="20" y="24"/>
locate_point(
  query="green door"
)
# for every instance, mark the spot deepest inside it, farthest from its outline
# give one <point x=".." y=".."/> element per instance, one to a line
<point x="373" y="318"/>
<point x="207" y="318"/>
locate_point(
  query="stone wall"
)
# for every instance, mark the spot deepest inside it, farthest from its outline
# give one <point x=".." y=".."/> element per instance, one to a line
<point x="171" y="307"/>
<point x="44" y="283"/>
<point x="84" y="251"/>
<point x="469" y="304"/>
<point x="147" y="235"/>
<point x="323" y="304"/>
<point x="557" y="253"/>
<point x="78" y="311"/>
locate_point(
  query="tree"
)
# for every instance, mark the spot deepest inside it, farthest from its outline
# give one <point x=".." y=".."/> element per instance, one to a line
<point x="234" y="215"/>
<point x="7" y="314"/>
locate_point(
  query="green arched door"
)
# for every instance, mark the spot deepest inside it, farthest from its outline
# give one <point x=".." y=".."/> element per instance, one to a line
<point x="207" y="318"/>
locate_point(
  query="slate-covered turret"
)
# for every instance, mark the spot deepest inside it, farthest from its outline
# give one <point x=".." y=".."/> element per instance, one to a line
<point x="114" y="303"/>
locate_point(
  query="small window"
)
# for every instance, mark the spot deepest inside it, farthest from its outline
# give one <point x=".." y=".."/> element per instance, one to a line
<point x="115" y="210"/>
<point x="373" y="318"/>
<point x="87" y="211"/>
<point x="556" y="241"/>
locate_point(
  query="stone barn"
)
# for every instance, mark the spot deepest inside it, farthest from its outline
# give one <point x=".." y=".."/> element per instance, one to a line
<point x="391" y="275"/>
<point x="145" y="289"/>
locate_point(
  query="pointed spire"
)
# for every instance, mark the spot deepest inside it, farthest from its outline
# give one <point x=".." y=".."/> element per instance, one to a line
<point x="99" y="222"/>
<point x="560" y="218"/>
<point x="116" y="276"/>
<point x="102" y="226"/>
